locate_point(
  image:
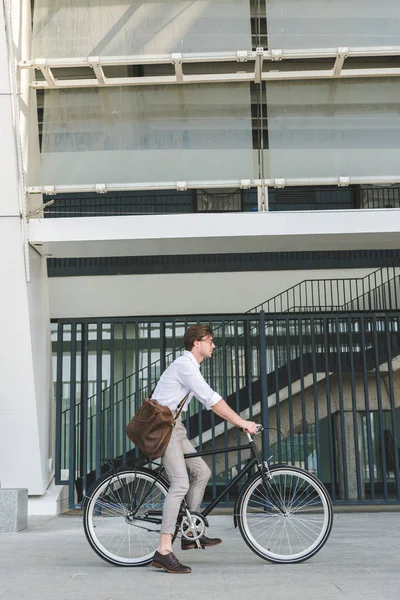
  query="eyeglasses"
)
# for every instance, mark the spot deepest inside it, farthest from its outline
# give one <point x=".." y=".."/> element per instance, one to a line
<point x="206" y="340"/>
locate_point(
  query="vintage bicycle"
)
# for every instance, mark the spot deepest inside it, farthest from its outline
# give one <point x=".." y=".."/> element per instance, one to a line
<point x="284" y="513"/>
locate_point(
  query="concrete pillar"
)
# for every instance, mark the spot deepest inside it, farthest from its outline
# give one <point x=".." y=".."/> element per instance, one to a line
<point x="348" y="463"/>
<point x="13" y="510"/>
<point x="26" y="444"/>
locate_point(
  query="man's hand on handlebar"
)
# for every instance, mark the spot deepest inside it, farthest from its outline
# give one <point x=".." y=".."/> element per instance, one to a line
<point x="250" y="427"/>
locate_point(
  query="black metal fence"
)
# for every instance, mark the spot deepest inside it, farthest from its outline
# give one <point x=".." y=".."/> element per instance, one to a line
<point x="379" y="290"/>
<point x="325" y="386"/>
<point x="172" y="202"/>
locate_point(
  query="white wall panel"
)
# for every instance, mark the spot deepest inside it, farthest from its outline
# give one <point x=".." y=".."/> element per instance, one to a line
<point x="332" y="23"/>
<point x="333" y="128"/>
<point x="190" y="293"/>
<point x="125" y="27"/>
<point x="26" y="392"/>
<point x="4" y="76"/>
<point x="147" y="134"/>
<point x="9" y="203"/>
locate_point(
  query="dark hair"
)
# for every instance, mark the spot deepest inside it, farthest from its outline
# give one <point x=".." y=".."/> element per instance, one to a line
<point x="195" y="332"/>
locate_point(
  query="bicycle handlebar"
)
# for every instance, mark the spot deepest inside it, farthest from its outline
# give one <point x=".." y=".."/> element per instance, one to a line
<point x="259" y="430"/>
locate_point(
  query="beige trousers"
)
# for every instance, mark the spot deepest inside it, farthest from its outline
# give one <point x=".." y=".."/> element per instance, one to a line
<point x="180" y="485"/>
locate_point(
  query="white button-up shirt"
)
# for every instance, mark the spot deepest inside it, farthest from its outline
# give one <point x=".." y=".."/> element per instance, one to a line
<point x="183" y="377"/>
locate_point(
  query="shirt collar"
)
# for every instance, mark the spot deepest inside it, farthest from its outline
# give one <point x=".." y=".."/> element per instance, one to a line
<point x="192" y="358"/>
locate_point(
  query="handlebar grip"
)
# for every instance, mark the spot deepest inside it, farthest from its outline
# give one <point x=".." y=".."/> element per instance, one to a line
<point x="259" y="429"/>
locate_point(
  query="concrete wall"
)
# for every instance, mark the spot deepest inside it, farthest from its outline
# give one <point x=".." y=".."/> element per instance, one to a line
<point x="26" y="445"/>
<point x="201" y="293"/>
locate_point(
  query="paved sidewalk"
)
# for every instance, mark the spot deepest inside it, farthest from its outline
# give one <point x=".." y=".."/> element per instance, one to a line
<point x="52" y="561"/>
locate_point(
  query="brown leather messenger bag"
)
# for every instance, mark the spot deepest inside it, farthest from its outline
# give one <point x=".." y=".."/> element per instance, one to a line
<point x="151" y="427"/>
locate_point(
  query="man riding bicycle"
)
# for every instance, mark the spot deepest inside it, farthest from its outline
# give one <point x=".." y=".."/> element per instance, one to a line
<point x="183" y="377"/>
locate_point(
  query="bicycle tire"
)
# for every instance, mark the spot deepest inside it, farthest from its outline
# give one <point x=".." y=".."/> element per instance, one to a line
<point x="289" y="521"/>
<point x="110" y="529"/>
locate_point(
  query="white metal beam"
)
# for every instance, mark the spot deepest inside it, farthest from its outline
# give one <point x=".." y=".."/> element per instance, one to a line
<point x="239" y="77"/>
<point x="178" y="60"/>
<point x="47" y="73"/>
<point x="94" y="62"/>
<point x="218" y="57"/>
<point x="258" y="69"/>
<point x="216" y="233"/>
<point x="339" y="62"/>
<point x="192" y="185"/>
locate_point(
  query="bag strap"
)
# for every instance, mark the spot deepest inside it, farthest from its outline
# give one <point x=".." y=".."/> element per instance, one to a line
<point x="180" y="406"/>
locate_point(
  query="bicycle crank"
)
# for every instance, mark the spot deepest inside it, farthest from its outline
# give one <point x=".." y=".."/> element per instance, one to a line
<point x="193" y="526"/>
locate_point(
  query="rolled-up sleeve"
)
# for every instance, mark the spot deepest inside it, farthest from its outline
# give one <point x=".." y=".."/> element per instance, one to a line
<point x="188" y="375"/>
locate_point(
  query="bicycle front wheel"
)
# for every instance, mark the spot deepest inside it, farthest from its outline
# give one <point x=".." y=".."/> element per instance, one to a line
<point x="285" y="517"/>
<point x="122" y="517"/>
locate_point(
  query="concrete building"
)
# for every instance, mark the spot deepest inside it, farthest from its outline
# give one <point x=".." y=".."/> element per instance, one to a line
<point x="164" y="163"/>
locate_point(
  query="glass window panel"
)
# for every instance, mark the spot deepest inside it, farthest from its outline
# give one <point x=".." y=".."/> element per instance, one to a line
<point x="332" y="23"/>
<point x="333" y="128"/>
<point x="147" y="134"/>
<point x="122" y="27"/>
<point x="219" y="201"/>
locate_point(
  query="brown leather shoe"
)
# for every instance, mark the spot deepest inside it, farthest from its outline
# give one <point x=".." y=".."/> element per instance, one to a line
<point x="204" y="541"/>
<point x="169" y="563"/>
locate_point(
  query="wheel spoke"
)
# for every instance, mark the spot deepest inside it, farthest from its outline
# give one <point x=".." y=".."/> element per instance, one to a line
<point x="289" y="519"/>
<point x="110" y="524"/>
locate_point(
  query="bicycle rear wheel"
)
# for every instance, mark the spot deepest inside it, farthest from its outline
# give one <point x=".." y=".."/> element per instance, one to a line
<point x="286" y="519"/>
<point x="122" y="517"/>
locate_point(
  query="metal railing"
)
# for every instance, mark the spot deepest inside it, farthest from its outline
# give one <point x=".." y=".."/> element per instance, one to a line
<point x="310" y="378"/>
<point x="128" y="393"/>
<point x="379" y="196"/>
<point x="379" y="290"/>
<point x="304" y="198"/>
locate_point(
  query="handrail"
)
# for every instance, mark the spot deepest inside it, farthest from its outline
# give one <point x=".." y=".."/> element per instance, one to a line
<point x="299" y="308"/>
<point x="297" y="286"/>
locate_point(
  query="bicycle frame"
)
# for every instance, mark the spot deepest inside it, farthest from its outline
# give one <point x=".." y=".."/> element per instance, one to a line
<point x="255" y="461"/>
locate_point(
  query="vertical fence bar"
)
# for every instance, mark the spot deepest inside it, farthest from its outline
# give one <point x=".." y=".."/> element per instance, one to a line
<point x="73" y="449"/>
<point x="248" y="366"/>
<point x="343" y="435"/>
<point x="388" y="297"/>
<point x="319" y="294"/>
<point x="225" y="395"/>
<point x="396" y="286"/>
<point x="137" y="400"/>
<point x="315" y="392"/>
<point x="124" y="398"/>
<point x="112" y="396"/>
<point x="60" y="434"/>
<point x="237" y="386"/>
<point x="213" y="445"/>
<point x="84" y="405"/>
<point x="99" y="378"/>
<point x="149" y="378"/>
<point x="300" y="323"/>
<point x="277" y="390"/>
<point x="382" y="444"/>
<point x="360" y="488"/>
<point x="264" y="386"/>
<point x="327" y="322"/>
<point x="391" y="393"/>
<point x="290" y="396"/>
<point x="367" y="410"/>
<point x="163" y="343"/>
